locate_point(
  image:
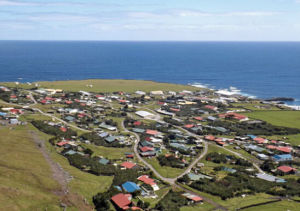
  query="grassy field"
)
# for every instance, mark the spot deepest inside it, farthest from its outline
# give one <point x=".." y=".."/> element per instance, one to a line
<point x="102" y="85"/>
<point x="165" y="171"/>
<point x="280" y="118"/>
<point x="108" y="152"/>
<point x="277" y="206"/>
<point x="25" y="177"/>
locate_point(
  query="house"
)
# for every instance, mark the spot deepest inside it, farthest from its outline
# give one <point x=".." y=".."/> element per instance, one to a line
<point x="152" y="132"/>
<point x="211" y="118"/>
<point x="283" y="157"/>
<point x="111" y="139"/>
<point x="138" y="130"/>
<point x="103" y="161"/>
<point x="192" y="197"/>
<point x="140" y="93"/>
<point x="195" y="177"/>
<point x="209" y="138"/>
<point x="269" y="178"/>
<point x="147" y="180"/>
<point x="156" y="93"/>
<point x="284" y="149"/>
<point x="130" y="187"/>
<point x="128" y="165"/>
<point x="122" y="200"/>
<point x="230" y="170"/>
<point x="286" y="170"/>
<point x="145" y="114"/>
<point x="262" y="156"/>
<point x="13" y="121"/>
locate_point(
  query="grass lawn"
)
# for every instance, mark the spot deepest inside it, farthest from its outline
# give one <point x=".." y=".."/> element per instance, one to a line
<point x="108" y="152"/>
<point x="165" y="171"/>
<point x="198" y="207"/>
<point x="101" y="85"/>
<point x="277" y="206"/>
<point x="280" y="118"/>
<point x="26" y="181"/>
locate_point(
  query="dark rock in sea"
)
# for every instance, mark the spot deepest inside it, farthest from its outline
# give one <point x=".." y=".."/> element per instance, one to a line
<point x="281" y="99"/>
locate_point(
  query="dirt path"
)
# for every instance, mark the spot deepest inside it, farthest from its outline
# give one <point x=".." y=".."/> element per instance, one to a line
<point x="62" y="177"/>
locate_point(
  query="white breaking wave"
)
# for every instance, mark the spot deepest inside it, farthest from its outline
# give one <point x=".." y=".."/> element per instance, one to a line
<point x="229" y="92"/>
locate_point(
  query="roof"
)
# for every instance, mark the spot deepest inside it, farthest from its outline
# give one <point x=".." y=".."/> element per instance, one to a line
<point x="283" y="157"/>
<point x="143" y="113"/>
<point x="192" y="197"/>
<point x="152" y="132"/>
<point x="285" y="169"/>
<point x="110" y="139"/>
<point x="138" y="130"/>
<point x="121" y="200"/>
<point x="146" y="179"/>
<point x="130" y="187"/>
<point x="284" y="149"/>
<point x="103" y="161"/>
<point x="145" y="149"/>
<point x="269" y="177"/>
<point x="62" y="143"/>
<point x="128" y="165"/>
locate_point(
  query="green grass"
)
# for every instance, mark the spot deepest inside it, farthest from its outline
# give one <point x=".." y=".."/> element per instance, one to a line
<point x="198" y="207"/>
<point x="277" y="206"/>
<point x="26" y="181"/>
<point x="165" y="171"/>
<point x="83" y="183"/>
<point x="101" y="85"/>
<point x="108" y="152"/>
<point x="279" y="118"/>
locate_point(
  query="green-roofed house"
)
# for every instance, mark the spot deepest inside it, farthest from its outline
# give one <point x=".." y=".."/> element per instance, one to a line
<point x="103" y="161"/>
<point x="138" y="130"/>
<point x="110" y="139"/>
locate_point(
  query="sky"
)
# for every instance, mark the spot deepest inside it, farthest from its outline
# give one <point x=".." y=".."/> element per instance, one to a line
<point x="170" y="20"/>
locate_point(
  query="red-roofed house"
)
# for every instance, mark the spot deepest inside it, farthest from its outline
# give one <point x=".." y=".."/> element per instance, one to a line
<point x="260" y="140"/>
<point x="233" y="115"/>
<point x="63" y="129"/>
<point x="152" y="132"/>
<point x="286" y="170"/>
<point x="209" y="138"/>
<point x="146" y="149"/>
<point x="271" y="147"/>
<point x="284" y="149"/>
<point x="189" y="126"/>
<point x="210" y="107"/>
<point x="137" y="123"/>
<point x="175" y="109"/>
<point x="121" y="200"/>
<point x="149" y="181"/>
<point x="62" y="143"/>
<point x="199" y="118"/>
<point x="128" y="165"/>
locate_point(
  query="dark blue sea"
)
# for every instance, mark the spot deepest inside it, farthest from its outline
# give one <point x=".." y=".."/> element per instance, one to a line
<point x="261" y="69"/>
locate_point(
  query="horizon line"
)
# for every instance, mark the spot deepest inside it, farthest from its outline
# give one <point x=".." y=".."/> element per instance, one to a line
<point x="62" y="40"/>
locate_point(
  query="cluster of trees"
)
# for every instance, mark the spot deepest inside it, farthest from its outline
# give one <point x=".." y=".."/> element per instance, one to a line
<point x="99" y="141"/>
<point x="91" y="164"/>
<point x="222" y="158"/>
<point x="171" y="161"/>
<point x="171" y="202"/>
<point x="53" y="130"/>
<point x="263" y="128"/>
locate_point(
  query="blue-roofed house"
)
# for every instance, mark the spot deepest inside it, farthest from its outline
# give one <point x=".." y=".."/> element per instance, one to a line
<point x="3" y="114"/>
<point x="130" y="187"/>
<point x="230" y="170"/>
<point x="283" y="157"/>
<point x="251" y="136"/>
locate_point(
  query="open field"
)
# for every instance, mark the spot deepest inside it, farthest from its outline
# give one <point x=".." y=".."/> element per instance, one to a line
<point x="280" y="118"/>
<point x="108" y="152"/>
<point x="277" y="206"/>
<point x="103" y="85"/>
<point x="165" y="171"/>
<point x="26" y="181"/>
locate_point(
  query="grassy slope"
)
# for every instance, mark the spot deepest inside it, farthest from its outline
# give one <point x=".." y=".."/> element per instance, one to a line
<point x="280" y="118"/>
<point x="83" y="183"/>
<point x="101" y="85"/>
<point x="25" y="178"/>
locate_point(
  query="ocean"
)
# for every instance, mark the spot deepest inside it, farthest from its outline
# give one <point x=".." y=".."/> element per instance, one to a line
<point x="260" y="69"/>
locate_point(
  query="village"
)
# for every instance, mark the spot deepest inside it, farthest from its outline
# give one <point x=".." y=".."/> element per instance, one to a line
<point x="165" y="149"/>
